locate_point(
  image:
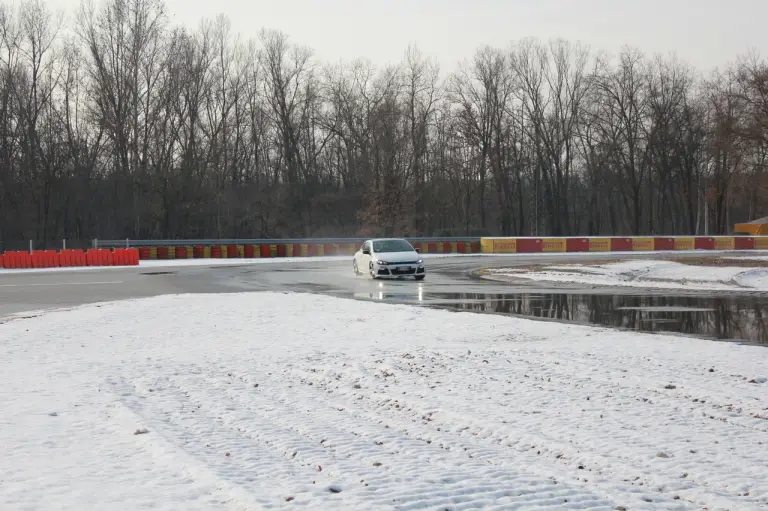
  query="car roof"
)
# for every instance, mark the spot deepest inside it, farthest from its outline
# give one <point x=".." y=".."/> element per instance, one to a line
<point x="388" y="239"/>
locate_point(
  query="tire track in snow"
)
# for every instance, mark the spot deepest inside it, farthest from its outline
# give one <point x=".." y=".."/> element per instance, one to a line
<point x="670" y="467"/>
<point x="310" y="422"/>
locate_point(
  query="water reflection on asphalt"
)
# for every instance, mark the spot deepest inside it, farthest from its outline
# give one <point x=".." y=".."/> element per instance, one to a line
<point x="731" y="318"/>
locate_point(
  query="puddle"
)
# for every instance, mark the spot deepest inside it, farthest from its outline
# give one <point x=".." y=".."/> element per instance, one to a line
<point x="726" y="318"/>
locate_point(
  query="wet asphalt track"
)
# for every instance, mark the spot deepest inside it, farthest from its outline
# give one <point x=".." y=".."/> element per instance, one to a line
<point x="447" y="278"/>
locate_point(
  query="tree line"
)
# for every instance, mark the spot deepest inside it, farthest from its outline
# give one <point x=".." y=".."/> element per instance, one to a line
<point x="120" y="125"/>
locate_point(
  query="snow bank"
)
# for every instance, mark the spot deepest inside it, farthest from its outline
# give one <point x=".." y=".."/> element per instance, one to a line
<point x="646" y="274"/>
<point x="249" y="401"/>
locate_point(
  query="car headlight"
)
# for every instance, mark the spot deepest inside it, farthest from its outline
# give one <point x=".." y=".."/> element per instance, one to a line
<point x="421" y="261"/>
<point x="382" y="263"/>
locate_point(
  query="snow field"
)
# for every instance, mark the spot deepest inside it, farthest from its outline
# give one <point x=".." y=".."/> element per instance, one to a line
<point x="359" y="405"/>
<point x="646" y="274"/>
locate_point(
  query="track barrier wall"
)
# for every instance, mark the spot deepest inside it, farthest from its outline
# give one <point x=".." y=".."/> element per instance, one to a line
<point x="16" y="260"/>
<point x="245" y="249"/>
<point x="621" y="244"/>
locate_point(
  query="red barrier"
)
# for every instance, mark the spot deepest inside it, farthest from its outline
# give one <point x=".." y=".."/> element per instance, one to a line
<point x="265" y="251"/>
<point x="475" y="247"/>
<point x="742" y="243"/>
<point x="99" y="257"/>
<point x="529" y="245"/>
<point x="64" y="259"/>
<point x="311" y="250"/>
<point x="232" y="252"/>
<point x="17" y="260"/>
<point x="52" y="258"/>
<point x="663" y="243"/>
<point x="577" y="245"/>
<point x="180" y="252"/>
<point x="216" y="251"/>
<point x="198" y="252"/>
<point x="431" y="247"/>
<point x="125" y="257"/>
<point x="248" y="251"/>
<point x="329" y="249"/>
<point x="144" y="253"/>
<point x="2" y="260"/>
<point x="621" y="244"/>
<point x="162" y="253"/>
<point x="72" y="258"/>
<point x="281" y="250"/>
<point x="705" y="243"/>
<point x="44" y="259"/>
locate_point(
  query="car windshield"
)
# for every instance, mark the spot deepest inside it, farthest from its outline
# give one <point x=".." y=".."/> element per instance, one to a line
<point x="392" y="246"/>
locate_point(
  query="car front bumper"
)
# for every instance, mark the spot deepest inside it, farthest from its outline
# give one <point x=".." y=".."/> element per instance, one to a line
<point x="399" y="270"/>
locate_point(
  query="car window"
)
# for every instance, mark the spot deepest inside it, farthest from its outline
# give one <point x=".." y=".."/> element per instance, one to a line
<point x="367" y="245"/>
<point x="392" y="246"/>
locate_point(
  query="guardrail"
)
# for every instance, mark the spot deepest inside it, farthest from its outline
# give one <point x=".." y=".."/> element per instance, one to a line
<point x="231" y="249"/>
<point x="130" y="252"/>
<point x="129" y="243"/>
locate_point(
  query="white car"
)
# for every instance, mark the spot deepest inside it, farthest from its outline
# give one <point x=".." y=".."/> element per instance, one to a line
<point x="392" y="257"/>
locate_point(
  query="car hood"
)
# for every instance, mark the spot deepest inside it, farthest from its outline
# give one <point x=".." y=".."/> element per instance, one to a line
<point x="398" y="257"/>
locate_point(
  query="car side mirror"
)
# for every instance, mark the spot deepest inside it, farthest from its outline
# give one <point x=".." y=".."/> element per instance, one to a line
<point x="418" y="250"/>
<point x="366" y="251"/>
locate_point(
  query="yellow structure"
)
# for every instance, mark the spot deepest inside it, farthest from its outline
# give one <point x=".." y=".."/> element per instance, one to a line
<point x="643" y="244"/>
<point x="754" y="228"/>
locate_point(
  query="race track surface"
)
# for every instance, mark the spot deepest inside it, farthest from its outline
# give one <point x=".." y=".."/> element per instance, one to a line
<point x="447" y="280"/>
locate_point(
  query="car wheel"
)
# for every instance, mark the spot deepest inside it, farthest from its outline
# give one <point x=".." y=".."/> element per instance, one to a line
<point x="355" y="268"/>
<point x="420" y="277"/>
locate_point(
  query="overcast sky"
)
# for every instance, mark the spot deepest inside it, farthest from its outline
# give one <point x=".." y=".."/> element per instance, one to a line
<point x="706" y="33"/>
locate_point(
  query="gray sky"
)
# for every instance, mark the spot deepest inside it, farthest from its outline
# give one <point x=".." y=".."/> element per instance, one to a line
<point x="705" y="33"/>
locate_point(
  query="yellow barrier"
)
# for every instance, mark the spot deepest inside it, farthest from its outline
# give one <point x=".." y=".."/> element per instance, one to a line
<point x="504" y="246"/>
<point x="320" y="250"/>
<point x="685" y="244"/>
<point x="599" y="245"/>
<point x="553" y="245"/>
<point x="190" y="252"/>
<point x="725" y="243"/>
<point x="153" y="252"/>
<point x="761" y="243"/>
<point x="486" y="246"/>
<point x="643" y="244"/>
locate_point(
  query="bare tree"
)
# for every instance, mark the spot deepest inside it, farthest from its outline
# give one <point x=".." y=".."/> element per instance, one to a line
<point x="135" y="128"/>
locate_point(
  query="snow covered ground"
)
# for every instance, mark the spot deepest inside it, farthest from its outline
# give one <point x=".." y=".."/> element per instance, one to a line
<point x="252" y="401"/>
<point x="646" y="274"/>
